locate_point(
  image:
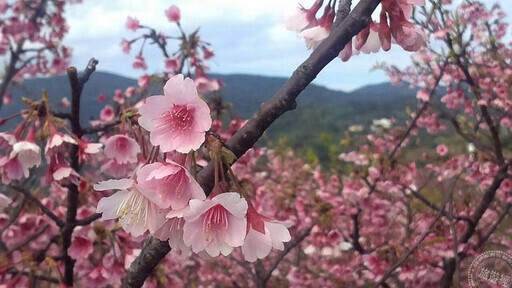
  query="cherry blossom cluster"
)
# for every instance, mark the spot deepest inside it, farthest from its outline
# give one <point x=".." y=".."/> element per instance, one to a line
<point x="163" y="197"/>
<point x="393" y="26"/>
<point x="31" y="40"/>
<point x="191" y="53"/>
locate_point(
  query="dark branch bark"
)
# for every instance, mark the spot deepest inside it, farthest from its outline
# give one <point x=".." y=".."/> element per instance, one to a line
<point x="355" y="234"/>
<point x="88" y="220"/>
<point x="247" y="136"/>
<point x="143" y="265"/>
<point x="77" y="85"/>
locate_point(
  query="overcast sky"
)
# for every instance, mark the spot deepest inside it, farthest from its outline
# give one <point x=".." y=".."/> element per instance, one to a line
<point x="247" y="37"/>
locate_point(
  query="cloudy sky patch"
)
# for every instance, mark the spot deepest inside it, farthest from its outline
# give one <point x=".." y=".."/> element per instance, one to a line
<point x="247" y="37"/>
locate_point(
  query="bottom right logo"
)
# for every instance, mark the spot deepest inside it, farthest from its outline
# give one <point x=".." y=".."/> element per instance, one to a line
<point x="491" y="269"/>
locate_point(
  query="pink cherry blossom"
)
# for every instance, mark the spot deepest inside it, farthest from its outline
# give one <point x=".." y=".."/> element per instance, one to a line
<point x="132" y="24"/>
<point x="139" y="63"/>
<point x="302" y="18"/>
<point x="7" y="99"/>
<point x="441" y="150"/>
<point x="173" y="14"/>
<point x="129" y="92"/>
<point x="262" y="235"/>
<point x="4" y="202"/>
<point x="64" y="102"/>
<point x="216" y="225"/>
<point x="118" y="96"/>
<point x="81" y="247"/>
<point x="122" y="148"/>
<point x="316" y="34"/>
<point x="115" y="169"/>
<point x="57" y="142"/>
<point x="168" y="184"/>
<point x="86" y="148"/>
<point x="27" y="151"/>
<point x="207" y="53"/>
<point x="172" y="230"/>
<point x="384" y="32"/>
<point x="206" y="85"/>
<point x="179" y="119"/>
<point x="59" y="170"/>
<point x="107" y="113"/>
<point x="126" y="46"/>
<point x="423" y="95"/>
<point x="102" y="98"/>
<point x="135" y="212"/>
<point x="172" y="63"/>
<point x="144" y="81"/>
<point x="12" y="169"/>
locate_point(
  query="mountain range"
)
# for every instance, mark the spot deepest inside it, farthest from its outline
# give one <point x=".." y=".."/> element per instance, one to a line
<point x="320" y="112"/>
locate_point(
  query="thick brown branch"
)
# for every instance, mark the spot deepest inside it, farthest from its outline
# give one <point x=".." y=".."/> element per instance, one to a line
<point x="149" y="257"/>
<point x="284" y="100"/>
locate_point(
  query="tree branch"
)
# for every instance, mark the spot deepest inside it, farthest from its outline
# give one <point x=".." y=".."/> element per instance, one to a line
<point x="88" y="220"/>
<point x="28" y="240"/>
<point x="38" y="203"/>
<point x="77" y="85"/>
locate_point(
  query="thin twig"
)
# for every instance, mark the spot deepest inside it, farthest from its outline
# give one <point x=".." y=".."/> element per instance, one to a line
<point x="38" y="203"/>
<point x="401" y="261"/>
<point x="296" y="241"/>
<point x="88" y="220"/>
<point x="28" y="240"/>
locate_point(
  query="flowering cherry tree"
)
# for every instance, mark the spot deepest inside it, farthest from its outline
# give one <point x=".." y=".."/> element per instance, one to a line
<point x="31" y="41"/>
<point x="175" y="179"/>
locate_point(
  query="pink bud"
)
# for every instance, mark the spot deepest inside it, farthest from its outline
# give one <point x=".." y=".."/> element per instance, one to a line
<point x="173" y="14"/>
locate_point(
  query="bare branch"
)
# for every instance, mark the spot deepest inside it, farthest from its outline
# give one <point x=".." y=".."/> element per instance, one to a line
<point x="88" y="220"/>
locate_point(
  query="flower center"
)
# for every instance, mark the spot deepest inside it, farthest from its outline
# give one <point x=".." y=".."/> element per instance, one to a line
<point x="180" y="118"/>
<point x="215" y="220"/>
<point x="135" y="207"/>
<point x="121" y="144"/>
